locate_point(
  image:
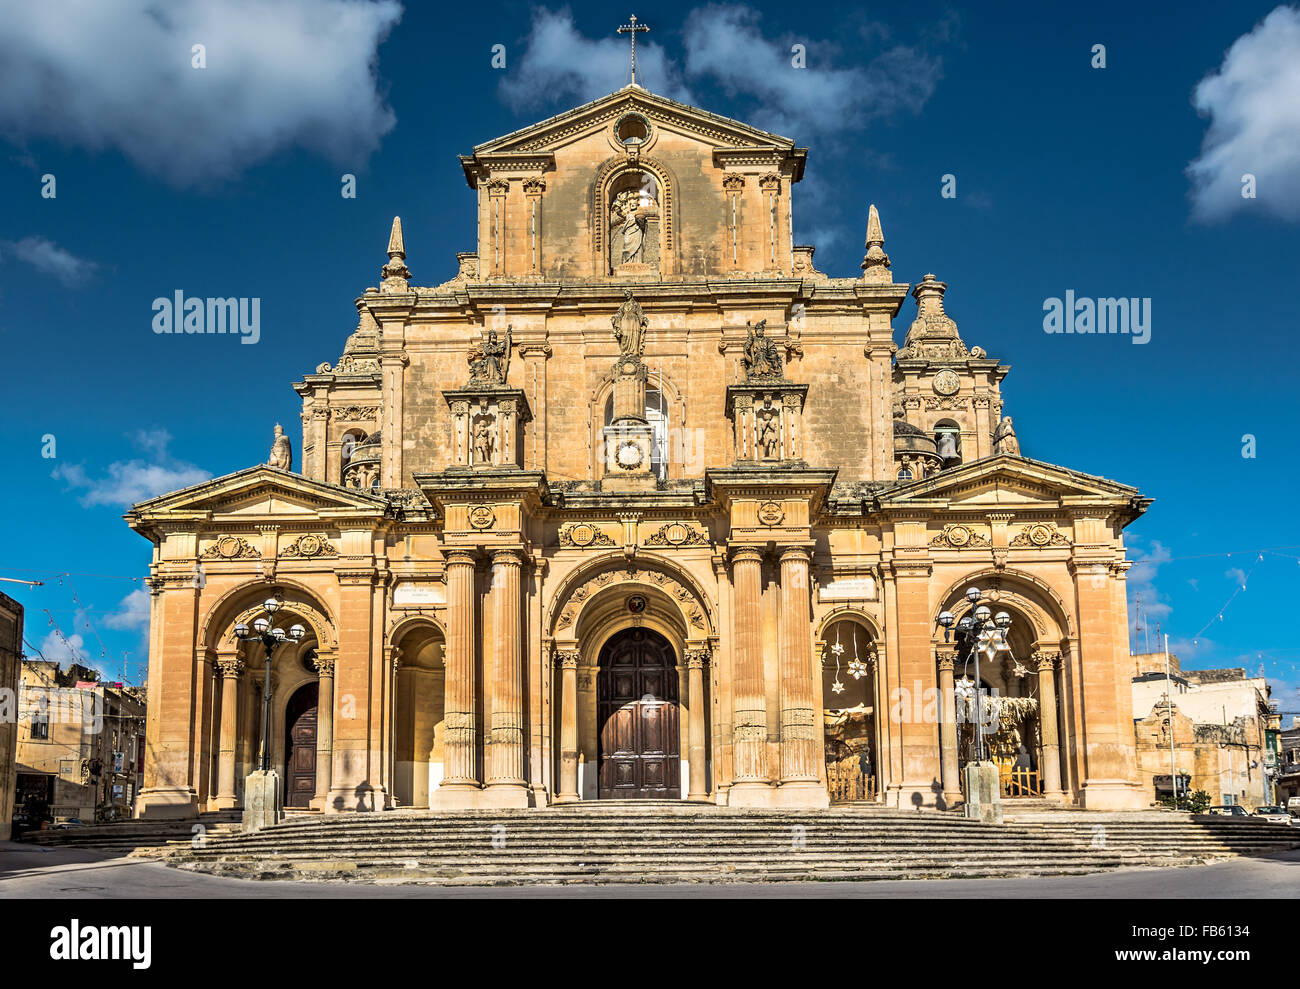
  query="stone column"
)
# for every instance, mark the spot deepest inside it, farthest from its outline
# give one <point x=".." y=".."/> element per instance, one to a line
<point x="799" y="749"/>
<point x="505" y="746"/>
<point x="324" y="729"/>
<point x="567" y="661"/>
<point x="696" y="661"/>
<point x="459" y="787"/>
<point x="230" y="667"/>
<point x="948" y="728"/>
<point x="750" y="782"/>
<point x="1050" y="762"/>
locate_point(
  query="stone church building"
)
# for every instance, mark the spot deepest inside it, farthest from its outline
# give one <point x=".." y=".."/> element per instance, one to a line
<point x="641" y="504"/>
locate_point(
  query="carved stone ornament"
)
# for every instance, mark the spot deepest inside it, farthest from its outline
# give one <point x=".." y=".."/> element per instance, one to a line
<point x="482" y="517"/>
<point x="945" y="403"/>
<point x="630" y="456"/>
<point x="946" y="382"/>
<point x="583" y="534"/>
<point x="230" y="548"/>
<point x="770" y="513"/>
<point x="958" y="536"/>
<point x="685" y="598"/>
<point x="1040" y="534"/>
<point x="677" y="534"/>
<point x="308" y="547"/>
<point x="355" y="413"/>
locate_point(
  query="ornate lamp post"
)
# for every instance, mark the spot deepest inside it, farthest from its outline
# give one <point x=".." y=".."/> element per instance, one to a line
<point x="270" y="638"/>
<point x="985" y="633"/>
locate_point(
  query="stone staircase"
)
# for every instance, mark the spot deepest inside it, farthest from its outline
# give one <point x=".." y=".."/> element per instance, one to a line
<point x="630" y="842"/>
<point x="139" y="838"/>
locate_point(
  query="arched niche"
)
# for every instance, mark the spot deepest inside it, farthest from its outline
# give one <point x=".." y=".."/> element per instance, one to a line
<point x="655" y="194"/>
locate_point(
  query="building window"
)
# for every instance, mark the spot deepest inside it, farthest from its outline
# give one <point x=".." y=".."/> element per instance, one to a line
<point x="905" y="473"/>
<point x="40" y="728"/>
<point x="656" y="414"/>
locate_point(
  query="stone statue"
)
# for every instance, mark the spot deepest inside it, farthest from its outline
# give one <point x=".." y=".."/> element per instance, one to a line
<point x="762" y="356"/>
<point x="281" y="450"/>
<point x="484" y="437"/>
<point x="629" y="327"/>
<point x="629" y="226"/>
<point x="489" y="359"/>
<point x="1004" y="438"/>
<point x="769" y="432"/>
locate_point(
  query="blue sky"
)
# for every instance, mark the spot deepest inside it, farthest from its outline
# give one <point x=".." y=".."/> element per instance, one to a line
<point x="225" y="181"/>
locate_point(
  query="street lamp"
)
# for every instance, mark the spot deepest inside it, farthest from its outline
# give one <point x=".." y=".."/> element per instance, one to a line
<point x="985" y="633"/>
<point x="270" y="638"/>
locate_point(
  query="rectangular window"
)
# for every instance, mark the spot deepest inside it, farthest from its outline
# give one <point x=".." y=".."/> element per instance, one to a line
<point x="40" y="729"/>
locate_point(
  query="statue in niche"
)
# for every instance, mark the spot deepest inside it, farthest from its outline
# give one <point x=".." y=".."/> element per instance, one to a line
<point x="483" y="436"/>
<point x="762" y="356"/>
<point x="281" y="450"/>
<point x="631" y="232"/>
<point x="489" y="359"/>
<point x="769" y="431"/>
<point x="630" y="324"/>
<point x="1004" y="438"/>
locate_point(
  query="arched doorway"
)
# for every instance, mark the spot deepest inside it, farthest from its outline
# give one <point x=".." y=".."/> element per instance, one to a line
<point x="850" y="712"/>
<point x="637" y="718"/>
<point x="300" y="746"/>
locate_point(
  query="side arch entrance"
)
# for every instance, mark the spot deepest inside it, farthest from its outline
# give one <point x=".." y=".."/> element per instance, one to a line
<point x="637" y="714"/>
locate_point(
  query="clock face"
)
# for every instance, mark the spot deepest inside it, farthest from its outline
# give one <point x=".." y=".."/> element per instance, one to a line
<point x="629" y="455"/>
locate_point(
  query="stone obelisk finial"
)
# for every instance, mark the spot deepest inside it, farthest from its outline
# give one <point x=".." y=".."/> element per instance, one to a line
<point x="875" y="263"/>
<point x="396" y="274"/>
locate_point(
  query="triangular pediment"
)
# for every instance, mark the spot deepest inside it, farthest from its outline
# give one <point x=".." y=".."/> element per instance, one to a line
<point x="1011" y="482"/>
<point x="563" y="129"/>
<point x="258" y="492"/>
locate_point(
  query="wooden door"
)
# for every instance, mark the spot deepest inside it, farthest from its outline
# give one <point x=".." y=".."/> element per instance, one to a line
<point x="637" y="718"/>
<point x="300" y="748"/>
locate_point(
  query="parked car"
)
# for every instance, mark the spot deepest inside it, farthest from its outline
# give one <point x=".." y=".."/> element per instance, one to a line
<point x="1227" y="810"/>
<point x="67" y="822"/>
<point x="1293" y="806"/>
<point x="1274" y="815"/>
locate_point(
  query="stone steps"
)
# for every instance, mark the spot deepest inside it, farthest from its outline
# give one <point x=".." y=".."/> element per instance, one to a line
<point x="127" y="836"/>
<point x="634" y="842"/>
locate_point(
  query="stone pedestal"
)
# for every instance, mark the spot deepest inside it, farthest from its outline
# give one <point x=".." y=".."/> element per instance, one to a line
<point x="983" y="792"/>
<point x="262" y="806"/>
<point x="487" y="426"/>
<point x="768" y="420"/>
<point x="629" y="437"/>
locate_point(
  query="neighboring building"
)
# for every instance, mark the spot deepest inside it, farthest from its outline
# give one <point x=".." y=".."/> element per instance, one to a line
<point x="11" y="657"/>
<point x="1288" y="763"/>
<point x="1221" y="726"/>
<point x="80" y="743"/>
<point x="589" y="518"/>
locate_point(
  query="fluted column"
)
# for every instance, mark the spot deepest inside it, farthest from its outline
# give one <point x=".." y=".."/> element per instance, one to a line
<point x="505" y="745"/>
<point x="460" y="738"/>
<point x="567" y="661"/>
<point x="1050" y="763"/>
<point x="324" y="729"/>
<point x="948" y="728"/>
<point x="750" y="783"/>
<point x="230" y="667"/>
<point x="696" y="660"/>
<point x="799" y="742"/>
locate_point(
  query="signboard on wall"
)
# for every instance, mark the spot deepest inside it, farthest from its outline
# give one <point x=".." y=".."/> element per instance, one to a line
<point x="850" y="589"/>
<point x="414" y="594"/>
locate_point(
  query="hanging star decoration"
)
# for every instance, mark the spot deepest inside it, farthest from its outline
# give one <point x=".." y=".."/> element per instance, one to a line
<point x="838" y="650"/>
<point x="990" y="643"/>
<point x="1020" y="670"/>
<point x="857" y="668"/>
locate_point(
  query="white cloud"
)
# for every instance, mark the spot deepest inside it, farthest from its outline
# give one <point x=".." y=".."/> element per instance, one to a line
<point x="132" y="613"/>
<point x="279" y="74"/>
<point x="130" y="481"/>
<point x="559" y="63"/>
<point x="1142" y="588"/>
<point x="50" y="259"/>
<point x="723" y="43"/>
<point x="1253" y="102"/>
<point x="55" y="649"/>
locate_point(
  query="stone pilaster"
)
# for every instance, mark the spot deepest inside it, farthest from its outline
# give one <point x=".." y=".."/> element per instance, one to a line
<point x="1050" y="762"/>
<point x="948" y="727"/>
<point x="324" y="729"/>
<point x="751" y="783"/>
<point x="800" y="748"/>
<point x="696" y="661"/>
<point x="460" y="784"/>
<point x="506" y="785"/>
<point x="567" y="661"/>
<point x="230" y="668"/>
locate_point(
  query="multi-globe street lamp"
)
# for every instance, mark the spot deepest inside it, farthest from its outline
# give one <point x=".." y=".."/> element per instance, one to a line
<point x="270" y="638"/>
<point x="985" y="633"/>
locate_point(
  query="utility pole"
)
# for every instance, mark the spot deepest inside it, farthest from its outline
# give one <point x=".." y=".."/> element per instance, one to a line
<point x="1169" y="696"/>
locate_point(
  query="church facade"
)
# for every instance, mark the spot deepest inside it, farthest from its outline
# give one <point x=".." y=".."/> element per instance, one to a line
<point x="639" y="504"/>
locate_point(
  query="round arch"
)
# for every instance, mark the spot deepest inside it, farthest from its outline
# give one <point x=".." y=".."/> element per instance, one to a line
<point x="859" y="615"/>
<point x="1029" y="594"/>
<point x="598" y="206"/>
<point x="245" y="601"/>
<point x="655" y="572"/>
<point x="674" y="402"/>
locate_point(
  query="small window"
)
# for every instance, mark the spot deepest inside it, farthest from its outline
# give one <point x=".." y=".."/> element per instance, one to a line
<point x="40" y="728"/>
<point x="905" y="473"/>
<point x="632" y="129"/>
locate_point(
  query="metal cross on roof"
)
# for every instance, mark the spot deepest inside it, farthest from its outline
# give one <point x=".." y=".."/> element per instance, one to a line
<point x="633" y="29"/>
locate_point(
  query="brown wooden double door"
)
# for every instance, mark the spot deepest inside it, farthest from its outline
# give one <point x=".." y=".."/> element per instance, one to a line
<point x="300" y="747"/>
<point x="637" y="718"/>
